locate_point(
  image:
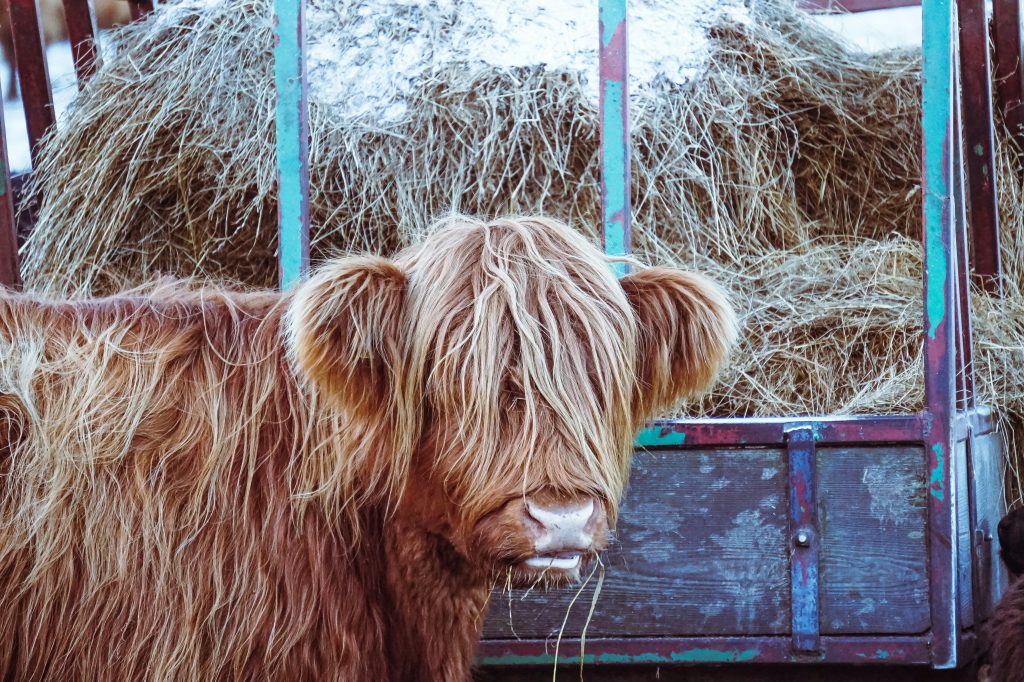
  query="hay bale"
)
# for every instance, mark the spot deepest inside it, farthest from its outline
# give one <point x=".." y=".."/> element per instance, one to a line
<point x="786" y="165"/>
<point x="738" y="158"/>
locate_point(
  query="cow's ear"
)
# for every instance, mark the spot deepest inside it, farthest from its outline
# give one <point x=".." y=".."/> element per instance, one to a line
<point x="686" y="330"/>
<point x="345" y="330"/>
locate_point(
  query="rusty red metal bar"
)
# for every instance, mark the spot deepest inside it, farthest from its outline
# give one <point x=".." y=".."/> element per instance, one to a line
<point x="675" y="433"/>
<point x="1008" y="75"/>
<point x="81" y="24"/>
<point x="9" y="271"/>
<point x="30" y="55"/>
<point x="979" y="143"/>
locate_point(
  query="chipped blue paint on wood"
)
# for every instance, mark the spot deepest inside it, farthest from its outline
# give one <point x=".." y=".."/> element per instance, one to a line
<point x="292" y="141"/>
<point x="615" y="154"/>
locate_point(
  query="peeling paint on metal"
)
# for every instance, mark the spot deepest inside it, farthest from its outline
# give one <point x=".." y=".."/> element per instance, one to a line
<point x="292" y="141"/>
<point x="935" y="122"/>
<point x="614" y="163"/>
<point x="937" y="482"/>
<point x="611" y="15"/>
<point x="687" y="656"/>
<point x="714" y="656"/>
<point x="658" y="436"/>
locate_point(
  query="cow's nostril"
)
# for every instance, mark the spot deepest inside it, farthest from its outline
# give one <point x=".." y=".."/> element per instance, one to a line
<point x="564" y="526"/>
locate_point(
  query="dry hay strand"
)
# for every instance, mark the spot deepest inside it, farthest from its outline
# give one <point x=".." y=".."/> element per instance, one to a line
<point x="788" y="169"/>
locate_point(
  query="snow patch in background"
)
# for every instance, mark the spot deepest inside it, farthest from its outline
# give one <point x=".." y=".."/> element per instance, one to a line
<point x="885" y="29"/>
<point x="369" y="57"/>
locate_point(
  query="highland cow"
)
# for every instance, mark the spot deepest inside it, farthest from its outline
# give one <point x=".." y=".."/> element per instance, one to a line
<point x="1006" y="629"/>
<point x="323" y="484"/>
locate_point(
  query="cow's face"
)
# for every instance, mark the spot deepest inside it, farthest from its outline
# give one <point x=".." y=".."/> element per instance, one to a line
<point x="505" y="370"/>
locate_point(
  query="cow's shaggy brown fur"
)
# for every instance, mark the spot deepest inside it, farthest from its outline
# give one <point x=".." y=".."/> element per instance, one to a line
<point x="321" y="484"/>
<point x="1006" y="628"/>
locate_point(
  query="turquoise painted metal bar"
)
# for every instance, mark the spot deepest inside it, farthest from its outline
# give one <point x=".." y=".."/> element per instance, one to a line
<point x="292" y="122"/>
<point x="937" y="117"/>
<point x="614" y="105"/>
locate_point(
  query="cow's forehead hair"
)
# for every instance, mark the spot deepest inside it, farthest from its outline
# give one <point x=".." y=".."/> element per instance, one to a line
<point x="526" y="306"/>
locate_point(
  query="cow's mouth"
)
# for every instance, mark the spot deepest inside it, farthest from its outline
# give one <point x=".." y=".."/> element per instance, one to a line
<point x="556" y="561"/>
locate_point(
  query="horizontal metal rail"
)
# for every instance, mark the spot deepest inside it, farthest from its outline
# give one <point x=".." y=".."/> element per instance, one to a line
<point x="865" y="649"/>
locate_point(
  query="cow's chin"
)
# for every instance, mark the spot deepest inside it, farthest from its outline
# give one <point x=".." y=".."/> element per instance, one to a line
<point x="557" y="569"/>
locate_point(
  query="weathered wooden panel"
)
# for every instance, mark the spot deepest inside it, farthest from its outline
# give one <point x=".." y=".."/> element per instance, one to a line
<point x="705" y="543"/>
<point x="874" y="561"/>
<point x="703" y="551"/>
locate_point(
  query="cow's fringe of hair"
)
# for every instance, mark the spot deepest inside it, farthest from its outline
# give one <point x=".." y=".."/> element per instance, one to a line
<point x="534" y="351"/>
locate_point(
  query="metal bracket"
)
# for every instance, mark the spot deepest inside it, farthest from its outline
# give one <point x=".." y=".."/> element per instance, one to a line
<point x="803" y="528"/>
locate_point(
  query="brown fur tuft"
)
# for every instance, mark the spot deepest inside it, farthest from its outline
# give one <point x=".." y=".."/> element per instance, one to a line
<point x="687" y="328"/>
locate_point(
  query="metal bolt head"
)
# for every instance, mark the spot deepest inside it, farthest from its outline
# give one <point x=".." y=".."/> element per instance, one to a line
<point x="803" y="539"/>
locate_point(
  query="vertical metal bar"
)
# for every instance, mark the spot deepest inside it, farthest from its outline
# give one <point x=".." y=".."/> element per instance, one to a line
<point x="292" y="141"/>
<point x="30" y="55"/>
<point x="979" y="157"/>
<point x="1009" y="77"/>
<point x="961" y="266"/>
<point x="937" y="108"/>
<point x="9" y="272"/>
<point x="140" y="8"/>
<point x="81" y="23"/>
<point x="615" y="153"/>
<point x="803" y="527"/>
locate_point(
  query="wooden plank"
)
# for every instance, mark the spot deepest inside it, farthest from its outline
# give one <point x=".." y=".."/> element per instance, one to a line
<point x="9" y="272"/>
<point x="979" y="143"/>
<point x="874" y="556"/>
<point x="703" y="551"/>
<point x="704" y="544"/>
<point x="1008" y="75"/>
<point x="937" y="49"/>
<point x="30" y="55"/>
<point x="616" y="208"/>
<point x="81" y="24"/>
<point x="292" y="122"/>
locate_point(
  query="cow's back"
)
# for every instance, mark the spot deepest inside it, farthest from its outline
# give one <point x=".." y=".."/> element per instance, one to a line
<point x="147" y="524"/>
